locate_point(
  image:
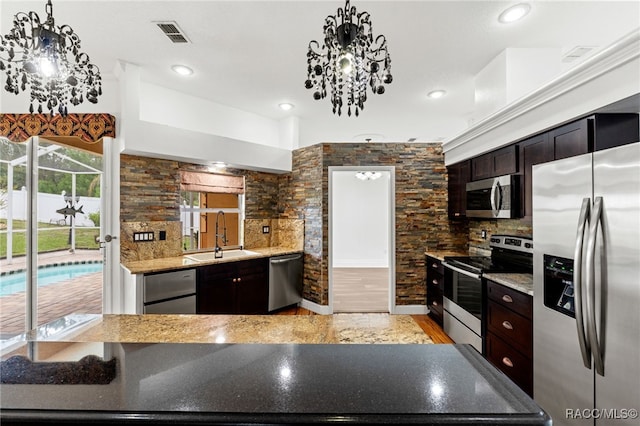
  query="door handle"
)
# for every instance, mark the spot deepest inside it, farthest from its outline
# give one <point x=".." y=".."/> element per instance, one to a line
<point x="596" y="219"/>
<point x="585" y="348"/>
<point x="507" y="325"/>
<point x="107" y="239"/>
<point x="496" y="202"/>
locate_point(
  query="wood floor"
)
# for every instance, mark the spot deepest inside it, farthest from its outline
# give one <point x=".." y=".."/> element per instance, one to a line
<point x="429" y="326"/>
<point x="349" y="284"/>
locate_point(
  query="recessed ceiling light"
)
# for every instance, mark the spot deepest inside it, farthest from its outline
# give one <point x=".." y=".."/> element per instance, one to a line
<point x="435" y="94"/>
<point x="514" y="13"/>
<point x="285" y="106"/>
<point x="182" y="69"/>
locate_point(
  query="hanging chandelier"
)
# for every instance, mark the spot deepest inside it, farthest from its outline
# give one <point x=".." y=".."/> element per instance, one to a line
<point x="46" y="59"/>
<point x="348" y="61"/>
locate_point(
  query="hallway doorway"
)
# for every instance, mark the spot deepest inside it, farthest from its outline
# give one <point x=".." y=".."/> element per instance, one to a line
<point x="361" y="239"/>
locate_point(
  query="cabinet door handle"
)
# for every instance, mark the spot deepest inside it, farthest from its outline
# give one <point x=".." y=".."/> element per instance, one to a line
<point x="507" y="325"/>
<point x="434" y="265"/>
<point x="506" y="361"/>
<point x="235" y="280"/>
<point x="507" y="298"/>
<point x="434" y="282"/>
<point x="239" y="279"/>
<point x="434" y="303"/>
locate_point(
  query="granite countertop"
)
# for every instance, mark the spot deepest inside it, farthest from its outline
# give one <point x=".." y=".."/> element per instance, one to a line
<point x="520" y="282"/>
<point x="312" y="329"/>
<point x="440" y="254"/>
<point x="183" y="262"/>
<point x="169" y="383"/>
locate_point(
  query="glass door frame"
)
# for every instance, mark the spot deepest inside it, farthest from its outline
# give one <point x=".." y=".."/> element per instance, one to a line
<point x="110" y="208"/>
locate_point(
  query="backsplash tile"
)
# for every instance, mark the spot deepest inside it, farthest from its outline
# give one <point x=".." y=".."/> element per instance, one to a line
<point x="131" y="250"/>
<point x="287" y="233"/>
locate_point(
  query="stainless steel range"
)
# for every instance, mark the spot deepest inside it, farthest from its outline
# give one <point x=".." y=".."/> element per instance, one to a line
<point x="464" y="289"/>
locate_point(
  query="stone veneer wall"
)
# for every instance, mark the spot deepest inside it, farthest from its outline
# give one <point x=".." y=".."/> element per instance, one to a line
<point x="301" y="197"/>
<point x="421" y="209"/>
<point x="150" y="197"/>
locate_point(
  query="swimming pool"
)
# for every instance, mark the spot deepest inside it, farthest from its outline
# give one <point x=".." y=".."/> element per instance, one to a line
<point x="47" y="275"/>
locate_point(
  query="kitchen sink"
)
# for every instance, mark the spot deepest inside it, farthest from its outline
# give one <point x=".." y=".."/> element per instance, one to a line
<point x="226" y="254"/>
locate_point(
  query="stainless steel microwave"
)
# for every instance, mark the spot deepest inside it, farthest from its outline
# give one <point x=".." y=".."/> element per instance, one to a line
<point x="494" y="198"/>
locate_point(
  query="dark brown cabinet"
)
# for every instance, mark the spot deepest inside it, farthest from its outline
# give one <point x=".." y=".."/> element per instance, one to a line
<point x="535" y="150"/>
<point x="457" y="188"/>
<point x="593" y="133"/>
<point x="435" y="288"/>
<point x="509" y="340"/>
<point x="500" y="162"/>
<point x="571" y="139"/>
<point x="233" y="288"/>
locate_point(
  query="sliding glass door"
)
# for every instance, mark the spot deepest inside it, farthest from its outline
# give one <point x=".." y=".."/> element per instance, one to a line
<point x="52" y="262"/>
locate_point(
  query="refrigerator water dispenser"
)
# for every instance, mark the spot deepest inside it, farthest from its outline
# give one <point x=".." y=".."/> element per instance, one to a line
<point x="558" y="284"/>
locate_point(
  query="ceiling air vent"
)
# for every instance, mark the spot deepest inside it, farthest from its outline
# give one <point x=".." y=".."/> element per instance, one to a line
<point x="577" y="52"/>
<point x="171" y="30"/>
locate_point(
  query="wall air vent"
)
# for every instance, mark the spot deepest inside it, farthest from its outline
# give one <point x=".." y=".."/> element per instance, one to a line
<point x="173" y="31"/>
<point x="577" y="52"/>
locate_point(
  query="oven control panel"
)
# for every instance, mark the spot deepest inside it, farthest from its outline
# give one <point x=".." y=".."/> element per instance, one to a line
<point x="512" y="242"/>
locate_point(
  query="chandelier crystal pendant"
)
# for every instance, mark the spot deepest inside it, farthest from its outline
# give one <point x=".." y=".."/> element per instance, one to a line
<point x="348" y="61"/>
<point x="46" y="59"/>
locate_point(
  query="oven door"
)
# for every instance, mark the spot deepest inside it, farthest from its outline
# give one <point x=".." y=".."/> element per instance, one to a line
<point x="462" y="316"/>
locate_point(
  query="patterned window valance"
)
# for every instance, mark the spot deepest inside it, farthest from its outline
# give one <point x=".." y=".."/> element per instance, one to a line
<point x="90" y="128"/>
<point x="208" y="182"/>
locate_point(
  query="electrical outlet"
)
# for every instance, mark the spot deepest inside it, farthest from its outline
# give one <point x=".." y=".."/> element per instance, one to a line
<point x="143" y="236"/>
<point x="483" y="234"/>
<point x="266" y="229"/>
<point x="162" y="235"/>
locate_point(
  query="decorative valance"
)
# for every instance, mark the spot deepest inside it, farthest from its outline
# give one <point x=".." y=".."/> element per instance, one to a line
<point x="208" y="182"/>
<point x="90" y="128"/>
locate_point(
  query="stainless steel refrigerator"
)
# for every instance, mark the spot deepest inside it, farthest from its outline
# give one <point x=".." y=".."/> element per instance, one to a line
<point x="586" y="229"/>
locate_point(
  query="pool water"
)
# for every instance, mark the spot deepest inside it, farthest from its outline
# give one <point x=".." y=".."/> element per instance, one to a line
<point x="14" y="283"/>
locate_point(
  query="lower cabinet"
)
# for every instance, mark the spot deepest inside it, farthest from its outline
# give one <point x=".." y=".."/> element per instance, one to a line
<point x="509" y="337"/>
<point x="233" y="288"/>
<point x="435" y="288"/>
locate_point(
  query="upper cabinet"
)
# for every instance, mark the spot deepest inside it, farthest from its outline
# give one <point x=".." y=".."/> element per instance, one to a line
<point x="593" y="133"/>
<point x="500" y="162"/>
<point x="457" y="185"/>
<point x="535" y="150"/>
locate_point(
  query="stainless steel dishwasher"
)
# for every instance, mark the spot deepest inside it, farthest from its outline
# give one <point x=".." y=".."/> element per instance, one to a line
<point x="170" y="292"/>
<point x="285" y="281"/>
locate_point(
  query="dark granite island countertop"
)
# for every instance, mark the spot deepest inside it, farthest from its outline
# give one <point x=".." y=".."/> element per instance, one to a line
<point x="169" y="383"/>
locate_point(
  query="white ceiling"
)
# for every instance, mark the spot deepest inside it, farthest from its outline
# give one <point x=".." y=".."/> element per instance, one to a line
<point x="251" y="55"/>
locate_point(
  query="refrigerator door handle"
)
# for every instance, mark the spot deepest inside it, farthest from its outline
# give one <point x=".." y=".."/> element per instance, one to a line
<point x="585" y="348"/>
<point x="590" y="286"/>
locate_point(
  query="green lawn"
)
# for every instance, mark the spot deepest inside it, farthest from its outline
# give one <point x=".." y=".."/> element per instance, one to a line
<point x="50" y="238"/>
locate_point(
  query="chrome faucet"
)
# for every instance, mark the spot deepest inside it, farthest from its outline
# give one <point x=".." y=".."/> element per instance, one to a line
<point x="218" y="250"/>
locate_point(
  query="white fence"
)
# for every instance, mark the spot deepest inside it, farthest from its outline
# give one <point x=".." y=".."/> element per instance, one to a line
<point x="47" y="206"/>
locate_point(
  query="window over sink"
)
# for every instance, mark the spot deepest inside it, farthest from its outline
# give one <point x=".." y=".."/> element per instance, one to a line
<point x="211" y="211"/>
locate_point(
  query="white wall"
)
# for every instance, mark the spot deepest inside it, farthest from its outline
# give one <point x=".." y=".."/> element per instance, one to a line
<point x="360" y="220"/>
<point x="172" y="108"/>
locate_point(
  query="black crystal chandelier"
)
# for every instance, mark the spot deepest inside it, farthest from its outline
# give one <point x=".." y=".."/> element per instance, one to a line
<point x="348" y="61"/>
<point x="46" y="59"/>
